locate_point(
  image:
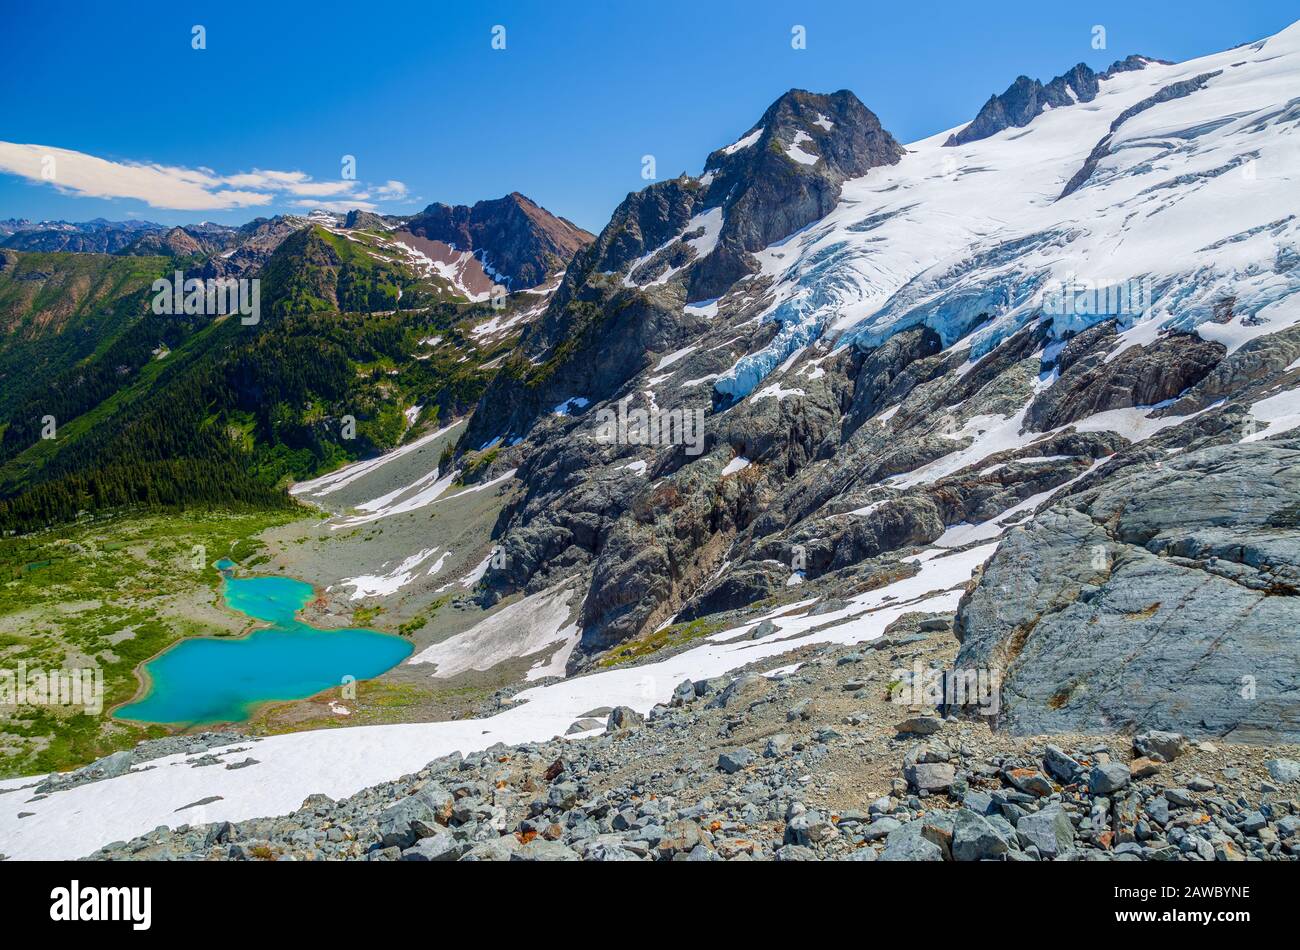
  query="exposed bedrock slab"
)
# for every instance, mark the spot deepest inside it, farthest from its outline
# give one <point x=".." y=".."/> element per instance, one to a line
<point x="1166" y="598"/>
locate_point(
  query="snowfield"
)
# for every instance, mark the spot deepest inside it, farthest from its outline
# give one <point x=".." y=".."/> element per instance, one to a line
<point x="525" y="627"/>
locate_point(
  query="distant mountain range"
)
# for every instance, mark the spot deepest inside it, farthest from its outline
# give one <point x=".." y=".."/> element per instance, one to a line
<point x="511" y="239"/>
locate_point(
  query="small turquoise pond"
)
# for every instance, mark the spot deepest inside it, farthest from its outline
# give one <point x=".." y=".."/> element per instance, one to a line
<point x="209" y="680"/>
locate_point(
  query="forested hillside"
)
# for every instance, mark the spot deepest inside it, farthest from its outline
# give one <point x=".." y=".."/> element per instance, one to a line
<point x="357" y="345"/>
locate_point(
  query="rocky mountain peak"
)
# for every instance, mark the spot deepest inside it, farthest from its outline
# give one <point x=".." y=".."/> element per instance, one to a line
<point x="835" y="128"/>
<point x="1026" y="98"/>
<point x="519" y="240"/>
<point x="780" y="176"/>
<point x="690" y="238"/>
<point x="358" y="219"/>
<point x="785" y="173"/>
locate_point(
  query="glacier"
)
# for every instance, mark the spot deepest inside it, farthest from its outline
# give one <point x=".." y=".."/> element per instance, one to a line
<point x="971" y="240"/>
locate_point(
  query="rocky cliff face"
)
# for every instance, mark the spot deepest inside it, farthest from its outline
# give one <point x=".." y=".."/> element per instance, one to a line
<point x="682" y="240"/>
<point x="516" y="239"/>
<point x="1165" y="597"/>
<point x="904" y="382"/>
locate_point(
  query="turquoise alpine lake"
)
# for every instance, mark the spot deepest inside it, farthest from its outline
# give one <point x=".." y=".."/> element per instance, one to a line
<point x="214" y="679"/>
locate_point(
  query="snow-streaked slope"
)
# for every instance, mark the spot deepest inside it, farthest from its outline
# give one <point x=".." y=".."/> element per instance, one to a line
<point x="317" y="489"/>
<point x="340" y="762"/>
<point x="524" y="627"/>
<point x="1199" y="195"/>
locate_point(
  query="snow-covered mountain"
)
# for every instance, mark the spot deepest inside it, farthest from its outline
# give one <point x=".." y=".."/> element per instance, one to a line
<point x="1136" y="246"/>
<point x="1177" y="178"/>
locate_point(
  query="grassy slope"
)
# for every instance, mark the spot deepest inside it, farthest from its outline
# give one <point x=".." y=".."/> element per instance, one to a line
<point x="110" y="593"/>
<point x="117" y="590"/>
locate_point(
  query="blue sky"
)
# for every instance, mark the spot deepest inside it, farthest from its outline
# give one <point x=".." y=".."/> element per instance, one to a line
<point x="432" y="112"/>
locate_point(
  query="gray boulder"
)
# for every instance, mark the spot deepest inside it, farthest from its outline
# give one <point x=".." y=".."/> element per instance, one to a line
<point x="734" y="760"/>
<point x="930" y="776"/>
<point x="1283" y="770"/>
<point x="622" y="718"/>
<point x="539" y="849"/>
<point x="911" y="843"/>
<point x="414" y="817"/>
<point x="920" y="725"/>
<point x="1048" y="830"/>
<point x="975" y="839"/>
<point x="495" y="849"/>
<point x="1167" y="745"/>
<point x="1107" y="778"/>
<point x="441" y="847"/>
<point x="1061" y="766"/>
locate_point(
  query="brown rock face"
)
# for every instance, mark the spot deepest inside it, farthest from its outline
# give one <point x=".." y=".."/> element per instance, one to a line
<point x="1139" y="376"/>
<point x="518" y="240"/>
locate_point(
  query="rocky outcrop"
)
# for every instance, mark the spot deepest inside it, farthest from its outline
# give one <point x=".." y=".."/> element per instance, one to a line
<point x="1094" y="378"/>
<point x="364" y="220"/>
<point x="1165" y="598"/>
<point x="1024" y="100"/>
<point x="521" y="242"/>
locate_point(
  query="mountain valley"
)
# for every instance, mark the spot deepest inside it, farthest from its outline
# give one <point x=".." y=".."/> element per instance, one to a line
<point x="1015" y="406"/>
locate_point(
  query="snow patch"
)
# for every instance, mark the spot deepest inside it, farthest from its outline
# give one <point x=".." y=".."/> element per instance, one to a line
<point x="525" y="627"/>
<point x="381" y="585"/>
<point x="795" y="149"/>
<point x="743" y="143"/>
<point x="738" y="464"/>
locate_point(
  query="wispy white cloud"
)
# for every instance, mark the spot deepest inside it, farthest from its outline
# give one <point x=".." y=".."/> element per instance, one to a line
<point x="184" y="189"/>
